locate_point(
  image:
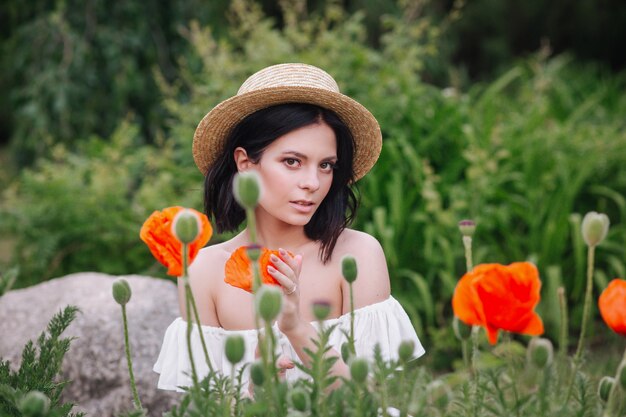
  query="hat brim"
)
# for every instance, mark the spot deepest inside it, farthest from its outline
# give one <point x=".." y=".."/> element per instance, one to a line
<point x="212" y="131"/>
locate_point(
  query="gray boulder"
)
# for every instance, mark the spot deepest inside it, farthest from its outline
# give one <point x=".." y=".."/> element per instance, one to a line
<point x="96" y="362"/>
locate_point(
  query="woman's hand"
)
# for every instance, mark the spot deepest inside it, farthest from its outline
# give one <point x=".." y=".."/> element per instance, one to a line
<point x="287" y="273"/>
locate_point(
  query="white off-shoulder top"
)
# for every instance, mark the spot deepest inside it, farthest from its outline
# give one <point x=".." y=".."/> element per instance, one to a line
<point x="384" y="323"/>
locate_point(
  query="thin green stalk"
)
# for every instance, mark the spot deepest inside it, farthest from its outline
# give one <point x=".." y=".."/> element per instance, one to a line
<point x="466" y="357"/>
<point x="129" y="361"/>
<point x="194" y="374"/>
<point x="474" y="370"/>
<point x="467" y="244"/>
<point x="564" y="323"/>
<point x="614" y="402"/>
<point x="587" y="306"/>
<point x="583" y="328"/>
<point x="352" y="347"/>
<point x="196" y="316"/>
<point x="251" y="223"/>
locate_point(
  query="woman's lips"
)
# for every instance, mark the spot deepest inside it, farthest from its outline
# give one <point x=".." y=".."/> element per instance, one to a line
<point x="302" y="207"/>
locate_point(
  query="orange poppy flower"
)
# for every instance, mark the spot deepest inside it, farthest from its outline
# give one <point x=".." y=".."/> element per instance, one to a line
<point x="157" y="233"/>
<point x="612" y="304"/>
<point x="500" y="297"/>
<point x="238" y="268"/>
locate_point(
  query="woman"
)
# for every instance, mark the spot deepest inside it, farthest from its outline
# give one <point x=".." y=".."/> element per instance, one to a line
<point x="308" y="143"/>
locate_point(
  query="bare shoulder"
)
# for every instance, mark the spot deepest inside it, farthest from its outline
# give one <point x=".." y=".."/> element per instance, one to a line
<point x="209" y="263"/>
<point x="355" y="242"/>
<point x="372" y="284"/>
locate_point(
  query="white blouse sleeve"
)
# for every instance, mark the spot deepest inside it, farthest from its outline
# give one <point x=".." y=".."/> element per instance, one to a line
<point x="385" y="324"/>
<point x="173" y="363"/>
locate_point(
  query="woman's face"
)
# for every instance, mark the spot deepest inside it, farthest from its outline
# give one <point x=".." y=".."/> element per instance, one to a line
<point x="296" y="172"/>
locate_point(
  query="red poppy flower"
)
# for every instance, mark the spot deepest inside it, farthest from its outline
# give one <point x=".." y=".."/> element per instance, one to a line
<point x="612" y="305"/>
<point x="238" y="269"/>
<point x="157" y="233"/>
<point x="500" y="297"/>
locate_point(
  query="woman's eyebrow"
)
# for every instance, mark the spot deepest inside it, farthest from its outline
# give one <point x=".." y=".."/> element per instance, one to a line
<point x="303" y="156"/>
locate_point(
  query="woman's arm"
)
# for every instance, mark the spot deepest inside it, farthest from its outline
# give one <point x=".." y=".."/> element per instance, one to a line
<point x="200" y="283"/>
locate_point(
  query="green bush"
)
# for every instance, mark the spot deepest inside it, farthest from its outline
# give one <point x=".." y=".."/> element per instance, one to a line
<point x="38" y="374"/>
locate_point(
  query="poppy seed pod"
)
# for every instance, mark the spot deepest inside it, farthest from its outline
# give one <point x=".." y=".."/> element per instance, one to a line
<point x="540" y="352"/>
<point x="594" y="227"/>
<point x="321" y="309"/>
<point x="299" y="399"/>
<point x="359" y="368"/>
<point x="461" y="330"/>
<point x="257" y="374"/>
<point x="34" y="404"/>
<point x="247" y="189"/>
<point x="348" y="268"/>
<point x="405" y="350"/>
<point x="121" y="291"/>
<point x="235" y="348"/>
<point x="467" y="227"/>
<point x="269" y="302"/>
<point x="438" y="393"/>
<point x="186" y="226"/>
<point x="604" y="387"/>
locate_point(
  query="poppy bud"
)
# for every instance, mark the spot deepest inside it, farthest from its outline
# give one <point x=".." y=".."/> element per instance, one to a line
<point x="121" y="291"/>
<point x="604" y="387"/>
<point x="621" y="374"/>
<point x="438" y="393"/>
<point x="321" y="309"/>
<point x="359" y="368"/>
<point x="540" y="352"/>
<point x="269" y="302"/>
<point x="186" y="226"/>
<point x="299" y="399"/>
<point x="348" y="268"/>
<point x="594" y="227"/>
<point x="467" y="227"/>
<point x="345" y="352"/>
<point x="235" y="348"/>
<point x="247" y="189"/>
<point x="405" y="350"/>
<point x="462" y="331"/>
<point x="34" y="404"/>
<point x="257" y="374"/>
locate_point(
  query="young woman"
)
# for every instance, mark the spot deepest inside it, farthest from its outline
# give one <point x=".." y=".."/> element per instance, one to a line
<point x="308" y="143"/>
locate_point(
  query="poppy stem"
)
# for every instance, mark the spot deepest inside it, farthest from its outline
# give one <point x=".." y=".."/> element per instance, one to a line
<point x="467" y="244"/>
<point x="129" y="361"/>
<point x="194" y="375"/>
<point x="564" y="324"/>
<point x="192" y="301"/>
<point x="587" y="306"/>
<point x="352" y="347"/>
<point x="613" y="404"/>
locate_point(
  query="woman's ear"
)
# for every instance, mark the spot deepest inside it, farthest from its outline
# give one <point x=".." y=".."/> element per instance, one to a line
<point x="242" y="160"/>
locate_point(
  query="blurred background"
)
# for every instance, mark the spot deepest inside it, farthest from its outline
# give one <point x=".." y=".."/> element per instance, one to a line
<point x="506" y="112"/>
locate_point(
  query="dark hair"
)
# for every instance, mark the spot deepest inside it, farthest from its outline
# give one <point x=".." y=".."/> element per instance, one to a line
<point x="254" y="134"/>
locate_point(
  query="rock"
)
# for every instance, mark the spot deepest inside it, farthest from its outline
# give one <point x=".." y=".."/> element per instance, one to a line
<point x="96" y="362"/>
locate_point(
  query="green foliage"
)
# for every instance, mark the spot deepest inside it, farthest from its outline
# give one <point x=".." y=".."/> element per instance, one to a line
<point x="7" y="279"/>
<point x="82" y="210"/>
<point x="518" y="155"/>
<point x="39" y="369"/>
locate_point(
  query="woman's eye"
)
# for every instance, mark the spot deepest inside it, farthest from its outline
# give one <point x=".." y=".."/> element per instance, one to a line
<point x="327" y="166"/>
<point x="292" y="162"/>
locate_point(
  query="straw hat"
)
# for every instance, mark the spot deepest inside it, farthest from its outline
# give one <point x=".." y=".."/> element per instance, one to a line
<point x="288" y="83"/>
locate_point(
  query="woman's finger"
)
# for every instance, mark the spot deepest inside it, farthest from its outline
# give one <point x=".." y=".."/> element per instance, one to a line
<point x="288" y="284"/>
<point x="283" y="267"/>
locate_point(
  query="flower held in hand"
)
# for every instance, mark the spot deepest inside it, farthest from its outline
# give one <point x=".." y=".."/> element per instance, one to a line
<point x="500" y="297"/>
<point x="238" y="268"/>
<point x="157" y="233"/>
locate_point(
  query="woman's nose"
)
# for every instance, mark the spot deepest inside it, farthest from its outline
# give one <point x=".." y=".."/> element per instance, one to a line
<point x="310" y="180"/>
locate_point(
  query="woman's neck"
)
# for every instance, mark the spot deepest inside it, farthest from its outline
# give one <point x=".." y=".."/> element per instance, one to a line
<point x="289" y="237"/>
